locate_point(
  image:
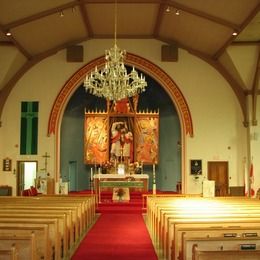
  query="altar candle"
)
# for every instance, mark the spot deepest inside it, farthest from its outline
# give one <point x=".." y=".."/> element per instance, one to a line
<point x="154" y="180"/>
<point x="91" y="174"/>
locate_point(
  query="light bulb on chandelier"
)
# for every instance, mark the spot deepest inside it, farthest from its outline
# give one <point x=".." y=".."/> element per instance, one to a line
<point x="113" y="82"/>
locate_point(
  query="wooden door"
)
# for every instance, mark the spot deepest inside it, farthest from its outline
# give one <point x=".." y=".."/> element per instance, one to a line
<point x="218" y="172"/>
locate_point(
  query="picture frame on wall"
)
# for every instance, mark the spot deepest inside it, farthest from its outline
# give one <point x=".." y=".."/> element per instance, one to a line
<point x="196" y="167"/>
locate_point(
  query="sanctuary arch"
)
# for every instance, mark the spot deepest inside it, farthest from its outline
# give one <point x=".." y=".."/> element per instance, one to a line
<point x="147" y="67"/>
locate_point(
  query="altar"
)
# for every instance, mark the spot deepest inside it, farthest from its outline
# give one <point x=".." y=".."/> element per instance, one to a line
<point x="135" y="182"/>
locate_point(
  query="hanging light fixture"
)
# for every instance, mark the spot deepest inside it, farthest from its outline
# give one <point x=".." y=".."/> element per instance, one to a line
<point x="113" y="82"/>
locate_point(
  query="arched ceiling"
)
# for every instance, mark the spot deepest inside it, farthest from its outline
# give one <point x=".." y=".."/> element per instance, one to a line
<point x="203" y="27"/>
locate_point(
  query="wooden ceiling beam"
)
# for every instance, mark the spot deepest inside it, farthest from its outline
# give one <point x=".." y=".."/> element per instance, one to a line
<point x="255" y="89"/>
<point x="122" y="36"/>
<point x="40" y="15"/>
<point x="85" y="18"/>
<point x="221" y="50"/>
<point x="17" y="44"/>
<point x="6" y="43"/>
<point x="5" y="91"/>
<point x="203" y="15"/>
<point x="238" y="90"/>
<point x="159" y="18"/>
<point x="246" y="43"/>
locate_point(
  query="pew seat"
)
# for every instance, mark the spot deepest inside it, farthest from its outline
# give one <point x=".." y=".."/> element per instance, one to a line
<point x="169" y="218"/>
<point x="218" y="244"/>
<point x="229" y="254"/>
<point x="9" y="253"/>
<point x="20" y="246"/>
<point x="66" y="220"/>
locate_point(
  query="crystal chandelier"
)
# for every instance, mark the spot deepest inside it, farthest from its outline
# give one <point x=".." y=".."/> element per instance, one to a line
<point x="113" y="82"/>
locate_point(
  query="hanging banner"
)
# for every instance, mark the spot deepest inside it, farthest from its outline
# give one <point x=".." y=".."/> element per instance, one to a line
<point x="29" y="128"/>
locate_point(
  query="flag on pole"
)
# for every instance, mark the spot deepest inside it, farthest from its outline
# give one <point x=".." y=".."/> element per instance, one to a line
<point x="246" y="178"/>
<point x="251" y="178"/>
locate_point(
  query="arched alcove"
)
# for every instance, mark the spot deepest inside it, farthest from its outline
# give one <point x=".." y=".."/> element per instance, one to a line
<point x="148" y="68"/>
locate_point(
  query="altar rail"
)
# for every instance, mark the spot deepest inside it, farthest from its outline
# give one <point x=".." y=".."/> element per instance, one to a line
<point x="106" y="182"/>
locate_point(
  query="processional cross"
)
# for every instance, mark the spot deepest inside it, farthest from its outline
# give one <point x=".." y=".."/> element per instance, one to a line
<point x="46" y="156"/>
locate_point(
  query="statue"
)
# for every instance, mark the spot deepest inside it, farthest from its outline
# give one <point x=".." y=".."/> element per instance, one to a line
<point x="121" y="142"/>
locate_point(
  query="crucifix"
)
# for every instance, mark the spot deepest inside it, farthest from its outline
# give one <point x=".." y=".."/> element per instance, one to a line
<point x="46" y="156"/>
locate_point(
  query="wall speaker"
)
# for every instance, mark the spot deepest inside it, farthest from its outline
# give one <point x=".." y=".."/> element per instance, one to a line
<point x="75" y="53"/>
<point x="169" y="52"/>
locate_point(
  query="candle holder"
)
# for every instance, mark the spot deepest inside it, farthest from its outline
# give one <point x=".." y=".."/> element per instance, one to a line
<point x="154" y="180"/>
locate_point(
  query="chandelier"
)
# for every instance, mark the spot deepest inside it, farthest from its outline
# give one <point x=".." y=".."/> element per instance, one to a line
<point x="113" y="82"/>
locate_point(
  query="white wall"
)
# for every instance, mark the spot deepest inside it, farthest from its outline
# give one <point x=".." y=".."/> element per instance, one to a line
<point x="217" y="118"/>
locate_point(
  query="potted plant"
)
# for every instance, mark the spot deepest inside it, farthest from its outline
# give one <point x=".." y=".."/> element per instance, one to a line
<point x="120" y="193"/>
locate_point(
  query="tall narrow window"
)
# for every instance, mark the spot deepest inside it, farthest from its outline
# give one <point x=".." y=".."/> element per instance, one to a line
<point x="29" y="128"/>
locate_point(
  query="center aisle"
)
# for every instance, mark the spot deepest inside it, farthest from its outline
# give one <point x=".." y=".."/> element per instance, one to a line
<point x="117" y="236"/>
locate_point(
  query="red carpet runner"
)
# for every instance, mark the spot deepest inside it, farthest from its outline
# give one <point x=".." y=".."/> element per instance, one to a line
<point x="117" y="236"/>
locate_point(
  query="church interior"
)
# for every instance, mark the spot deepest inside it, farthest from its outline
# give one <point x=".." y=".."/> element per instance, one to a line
<point x="129" y="129"/>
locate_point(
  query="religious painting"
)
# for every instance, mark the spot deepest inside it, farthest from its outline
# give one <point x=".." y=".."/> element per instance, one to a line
<point x="122" y="139"/>
<point x="96" y="139"/>
<point x="195" y="167"/>
<point x="121" y="135"/>
<point x="147" y="138"/>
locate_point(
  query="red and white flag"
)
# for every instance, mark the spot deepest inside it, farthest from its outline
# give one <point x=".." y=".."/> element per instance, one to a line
<point x="246" y="179"/>
<point x="252" y="181"/>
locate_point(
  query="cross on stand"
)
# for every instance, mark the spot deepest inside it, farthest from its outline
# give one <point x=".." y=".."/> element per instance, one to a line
<point x="46" y="156"/>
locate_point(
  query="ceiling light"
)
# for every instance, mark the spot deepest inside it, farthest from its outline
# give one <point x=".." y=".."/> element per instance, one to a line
<point x="8" y="33"/>
<point x="61" y="14"/>
<point x="168" y="9"/>
<point x="113" y="81"/>
<point x="177" y="12"/>
<point x="234" y="33"/>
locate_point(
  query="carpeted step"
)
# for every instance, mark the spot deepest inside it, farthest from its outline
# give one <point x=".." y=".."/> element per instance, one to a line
<point x="120" y="210"/>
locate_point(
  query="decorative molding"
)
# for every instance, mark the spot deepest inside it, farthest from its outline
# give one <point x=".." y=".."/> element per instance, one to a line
<point x="148" y="67"/>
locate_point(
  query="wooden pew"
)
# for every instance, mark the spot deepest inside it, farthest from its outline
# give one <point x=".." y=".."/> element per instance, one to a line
<point x="24" y="245"/>
<point x="174" y="221"/>
<point x="9" y="254"/>
<point x="65" y="221"/>
<point x="83" y="205"/>
<point x="54" y="234"/>
<point x="41" y="206"/>
<point x="41" y="233"/>
<point x="219" y="244"/>
<point x="165" y="215"/>
<point x="223" y="232"/>
<point x="229" y="254"/>
<point x="89" y="206"/>
<point x="162" y="205"/>
<point x="73" y="216"/>
<point x="88" y="203"/>
<point x="61" y="223"/>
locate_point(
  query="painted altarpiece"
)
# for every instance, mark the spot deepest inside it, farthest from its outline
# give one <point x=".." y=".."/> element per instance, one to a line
<point x="142" y="125"/>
